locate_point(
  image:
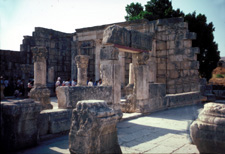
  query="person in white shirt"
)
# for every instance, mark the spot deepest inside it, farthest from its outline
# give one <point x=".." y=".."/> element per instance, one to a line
<point x="74" y="83"/>
<point x="58" y="82"/>
<point x="90" y="83"/>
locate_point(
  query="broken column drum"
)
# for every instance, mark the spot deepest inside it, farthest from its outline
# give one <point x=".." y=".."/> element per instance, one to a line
<point x="208" y="131"/>
<point x="40" y="92"/>
<point x="82" y="65"/>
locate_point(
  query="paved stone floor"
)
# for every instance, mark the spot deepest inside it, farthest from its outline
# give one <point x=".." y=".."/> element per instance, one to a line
<point x="161" y="132"/>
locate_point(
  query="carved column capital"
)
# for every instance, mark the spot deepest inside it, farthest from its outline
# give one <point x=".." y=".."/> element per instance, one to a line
<point x="141" y="58"/>
<point x="39" y="53"/>
<point x="82" y="61"/>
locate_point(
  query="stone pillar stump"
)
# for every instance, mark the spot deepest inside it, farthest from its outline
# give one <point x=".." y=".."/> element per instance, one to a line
<point x="40" y="92"/>
<point x="141" y="85"/>
<point x="208" y="131"/>
<point x="82" y="65"/>
<point x="110" y="70"/>
<point x="93" y="128"/>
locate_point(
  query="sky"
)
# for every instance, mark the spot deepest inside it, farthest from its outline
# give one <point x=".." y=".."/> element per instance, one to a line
<point x="18" y="18"/>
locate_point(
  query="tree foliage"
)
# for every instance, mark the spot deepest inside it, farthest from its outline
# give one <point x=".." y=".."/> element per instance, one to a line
<point x="159" y="9"/>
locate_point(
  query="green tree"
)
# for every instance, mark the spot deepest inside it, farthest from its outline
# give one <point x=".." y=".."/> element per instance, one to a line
<point x="159" y="9"/>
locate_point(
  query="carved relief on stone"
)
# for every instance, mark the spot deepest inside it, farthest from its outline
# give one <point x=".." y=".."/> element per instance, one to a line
<point x="82" y="61"/>
<point x="39" y="54"/>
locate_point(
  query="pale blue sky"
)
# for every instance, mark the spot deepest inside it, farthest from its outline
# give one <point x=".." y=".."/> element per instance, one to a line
<point x="19" y="17"/>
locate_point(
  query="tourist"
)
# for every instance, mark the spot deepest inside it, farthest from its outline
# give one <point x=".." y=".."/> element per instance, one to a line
<point x="58" y="82"/>
<point x="6" y="84"/>
<point x="30" y="85"/>
<point x="90" y="83"/>
<point x="74" y="82"/>
<point x="99" y="82"/>
<point x="67" y="83"/>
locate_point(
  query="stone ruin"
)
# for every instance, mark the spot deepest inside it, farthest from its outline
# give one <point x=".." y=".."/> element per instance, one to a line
<point x="152" y="65"/>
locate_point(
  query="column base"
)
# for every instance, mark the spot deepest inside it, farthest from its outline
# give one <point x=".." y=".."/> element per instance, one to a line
<point x="42" y="94"/>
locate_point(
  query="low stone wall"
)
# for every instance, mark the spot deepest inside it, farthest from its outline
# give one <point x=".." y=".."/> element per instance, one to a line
<point x="19" y="119"/>
<point x="52" y="122"/>
<point x="159" y="100"/>
<point x="182" y="99"/>
<point x="69" y="96"/>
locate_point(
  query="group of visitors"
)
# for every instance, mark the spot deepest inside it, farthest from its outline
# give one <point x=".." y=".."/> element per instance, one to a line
<point x="13" y="87"/>
<point x="73" y="83"/>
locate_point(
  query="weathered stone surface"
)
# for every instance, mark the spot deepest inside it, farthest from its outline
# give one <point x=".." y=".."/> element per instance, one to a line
<point x="109" y="53"/>
<point x="141" y="40"/>
<point x="130" y="38"/>
<point x="82" y="64"/>
<point x="19" y="125"/>
<point x="116" y="35"/>
<point x="208" y="131"/>
<point x="69" y="96"/>
<point x="40" y="92"/>
<point x="53" y="122"/>
<point x="93" y="128"/>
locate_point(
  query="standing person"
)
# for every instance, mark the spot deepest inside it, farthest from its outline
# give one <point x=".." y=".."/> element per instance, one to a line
<point x="74" y="82"/>
<point x="90" y="83"/>
<point x="58" y="82"/>
<point x="99" y="82"/>
<point x="6" y="90"/>
<point x="67" y="83"/>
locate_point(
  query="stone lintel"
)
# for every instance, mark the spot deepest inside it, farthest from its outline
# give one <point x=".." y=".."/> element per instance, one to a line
<point x="129" y="38"/>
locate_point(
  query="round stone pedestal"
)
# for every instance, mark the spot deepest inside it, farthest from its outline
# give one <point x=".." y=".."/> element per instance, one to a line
<point x="208" y="131"/>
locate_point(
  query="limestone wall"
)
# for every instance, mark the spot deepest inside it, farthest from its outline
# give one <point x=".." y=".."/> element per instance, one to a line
<point x="177" y="64"/>
<point x="58" y="45"/>
<point x="10" y="63"/>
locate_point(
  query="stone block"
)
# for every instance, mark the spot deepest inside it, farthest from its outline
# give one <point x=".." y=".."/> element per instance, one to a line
<point x="187" y="43"/>
<point x="173" y="74"/>
<point x="208" y="132"/>
<point x="141" y="41"/>
<point x="69" y="96"/>
<point x="93" y="128"/>
<point x="109" y="53"/>
<point x="19" y="125"/>
<point x="171" y="45"/>
<point x="190" y="36"/>
<point x="116" y="35"/>
<point x="161" y="45"/>
<point x="141" y="74"/>
<point x="60" y="121"/>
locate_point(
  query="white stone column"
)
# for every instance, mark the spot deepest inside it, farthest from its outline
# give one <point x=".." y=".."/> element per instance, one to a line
<point x="131" y="74"/>
<point x="40" y="92"/>
<point x="122" y="65"/>
<point x="82" y="65"/>
<point x="97" y="59"/>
